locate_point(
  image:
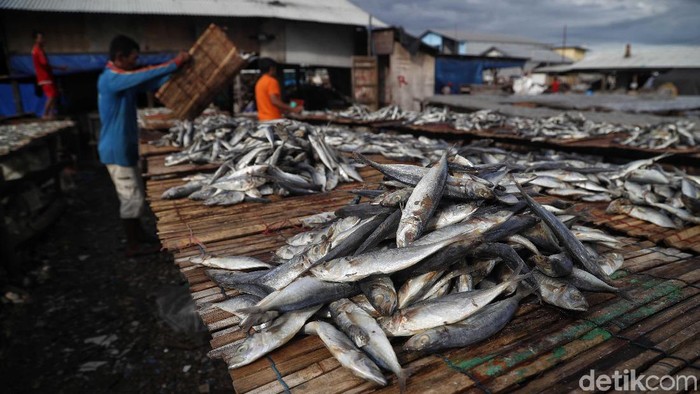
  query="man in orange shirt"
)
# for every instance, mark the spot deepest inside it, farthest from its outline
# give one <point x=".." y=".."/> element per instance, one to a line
<point x="267" y="93"/>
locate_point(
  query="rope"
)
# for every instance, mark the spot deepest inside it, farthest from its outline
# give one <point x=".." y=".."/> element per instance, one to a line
<point x="279" y="375"/>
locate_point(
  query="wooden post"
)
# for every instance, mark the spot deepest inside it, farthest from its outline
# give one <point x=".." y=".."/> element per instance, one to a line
<point x="364" y="81"/>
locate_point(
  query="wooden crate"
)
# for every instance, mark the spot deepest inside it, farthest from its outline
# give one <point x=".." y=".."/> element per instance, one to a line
<point x="215" y="61"/>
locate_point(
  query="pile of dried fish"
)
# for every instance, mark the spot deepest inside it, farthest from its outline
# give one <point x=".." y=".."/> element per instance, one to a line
<point x="392" y="112"/>
<point x="14" y="136"/>
<point x="642" y="189"/>
<point x="395" y="113"/>
<point x="355" y="111"/>
<point x="206" y="134"/>
<point x="402" y="147"/>
<point x="272" y="158"/>
<point x="260" y="159"/>
<point x="479" y="120"/>
<point x="663" y="135"/>
<point x="434" y="256"/>
<point x="570" y="126"/>
<point x="431" y="115"/>
<point x="563" y="126"/>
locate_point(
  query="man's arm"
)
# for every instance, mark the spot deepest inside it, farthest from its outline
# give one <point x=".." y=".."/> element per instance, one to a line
<point x="156" y="83"/>
<point x="277" y="102"/>
<point x="275" y="94"/>
<point x="118" y="81"/>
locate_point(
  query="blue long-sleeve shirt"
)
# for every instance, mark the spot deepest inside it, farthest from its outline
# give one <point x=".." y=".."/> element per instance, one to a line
<point x="116" y="101"/>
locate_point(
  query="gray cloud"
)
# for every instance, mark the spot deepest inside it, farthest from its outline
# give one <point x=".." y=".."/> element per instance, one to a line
<point x="595" y="23"/>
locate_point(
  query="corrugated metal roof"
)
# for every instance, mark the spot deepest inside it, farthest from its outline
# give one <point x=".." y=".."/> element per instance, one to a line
<point x="536" y="53"/>
<point x="326" y="11"/>
<point x="478" y="44"/>
<point x="642" y="58"/>
<point x="482" y="37"/>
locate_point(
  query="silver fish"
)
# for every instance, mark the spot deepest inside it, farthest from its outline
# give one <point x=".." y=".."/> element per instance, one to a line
<point x="378" y="346"/>
<point x="260" y="343"/>
<point x="345" y="352"/>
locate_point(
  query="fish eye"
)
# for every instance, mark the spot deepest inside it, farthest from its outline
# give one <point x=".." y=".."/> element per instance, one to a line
<point x="423" y="339"/>
<point x="242" y="348"/>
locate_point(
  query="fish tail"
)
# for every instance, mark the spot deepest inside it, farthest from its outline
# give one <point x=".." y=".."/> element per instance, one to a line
<point x="625" y="293"/>
<point x="253" y="318"/>
<point x="520" y="278"/>
<point x="362" y="159"/>
<point x="403" y="376"/>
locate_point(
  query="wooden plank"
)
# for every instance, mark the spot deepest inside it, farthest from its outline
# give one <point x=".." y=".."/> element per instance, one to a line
<point x="688" y="372"/>
<point x="499" y="364"/>
<point x="677" y="360"/>
<point x="288" y="359"/>
<point x="567" y="374"/>
<point x="527" y="348"/>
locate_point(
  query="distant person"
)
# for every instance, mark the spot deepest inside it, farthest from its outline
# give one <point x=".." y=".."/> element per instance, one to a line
<point x="117" y="89"/>
<point x="447" y="89"/>
<point x="268" y="97"/>
<point x="649" y="84"/>
<point x="44" y="74"/>
<point x="555" y="85"/>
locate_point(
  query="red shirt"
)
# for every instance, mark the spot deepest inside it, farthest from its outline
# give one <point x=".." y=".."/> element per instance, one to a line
<point x="555" y="86"/>
<point x="41" y="66"/>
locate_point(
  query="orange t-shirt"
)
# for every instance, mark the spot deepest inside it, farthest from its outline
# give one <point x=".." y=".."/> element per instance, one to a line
<point x="266" y="86"/>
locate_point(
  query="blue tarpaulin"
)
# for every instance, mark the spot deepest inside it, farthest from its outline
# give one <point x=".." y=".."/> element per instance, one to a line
<point x="22" y="66"/>
<point x="466" y="71"/>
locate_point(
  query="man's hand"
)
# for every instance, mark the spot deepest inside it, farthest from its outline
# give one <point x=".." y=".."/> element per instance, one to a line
<point x="297" y="109"/>
<point x="182" y="58"/>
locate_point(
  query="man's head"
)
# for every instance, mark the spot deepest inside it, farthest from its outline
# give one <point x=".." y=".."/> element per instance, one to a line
<point x="267" y="66"/>
<point x="38" y="37"/>
<point x="124" y="52"/>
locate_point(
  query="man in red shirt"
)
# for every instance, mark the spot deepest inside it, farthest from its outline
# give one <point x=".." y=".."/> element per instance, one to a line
<point x="555" y="85"/>
<point x="44" y="75"/>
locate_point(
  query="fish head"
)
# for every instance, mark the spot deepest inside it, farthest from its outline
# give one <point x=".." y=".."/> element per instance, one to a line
<point x="394" y="199"/>
<point x="573" y="298"/>
<point x="424" y="341"/>
<point x="408" y="231"/>
<point x="239" y="355"/>
<point x="384" y="301"/>
<point x="610" y="262"/>
<point x="561" y="264"/>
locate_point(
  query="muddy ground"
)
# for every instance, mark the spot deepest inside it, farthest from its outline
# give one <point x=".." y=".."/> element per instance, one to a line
<point x="92" y="322"/>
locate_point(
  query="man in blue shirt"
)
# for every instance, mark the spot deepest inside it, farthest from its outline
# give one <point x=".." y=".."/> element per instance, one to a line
<point x="118" y="87"/>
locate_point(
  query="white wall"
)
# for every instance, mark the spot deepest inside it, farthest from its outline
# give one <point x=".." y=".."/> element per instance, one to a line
<point x="319" y="44"/>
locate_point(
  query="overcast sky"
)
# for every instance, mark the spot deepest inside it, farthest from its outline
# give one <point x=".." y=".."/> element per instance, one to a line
<point x="597" y="24"/>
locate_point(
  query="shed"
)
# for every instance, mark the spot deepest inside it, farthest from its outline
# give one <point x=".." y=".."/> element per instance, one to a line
<point x="678" y="65"/>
